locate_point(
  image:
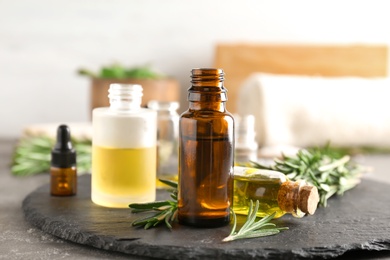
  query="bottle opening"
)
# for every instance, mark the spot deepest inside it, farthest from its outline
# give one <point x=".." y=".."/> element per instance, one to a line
<point x="125" y="96"/>
<point x="207" y="75"/>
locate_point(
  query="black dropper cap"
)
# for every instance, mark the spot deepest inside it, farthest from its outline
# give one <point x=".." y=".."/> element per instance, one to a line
<point x="63" y="155"/>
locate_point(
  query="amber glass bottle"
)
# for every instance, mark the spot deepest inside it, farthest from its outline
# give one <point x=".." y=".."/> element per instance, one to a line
<point x="206" y="152"/>
<point x="63" y="172"/>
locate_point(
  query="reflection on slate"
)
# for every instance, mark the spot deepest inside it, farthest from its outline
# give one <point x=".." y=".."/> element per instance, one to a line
<point x="359" y="220"/>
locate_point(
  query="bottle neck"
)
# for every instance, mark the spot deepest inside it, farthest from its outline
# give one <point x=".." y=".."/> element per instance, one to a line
<point x="164" y="108"/>
<point x="125" y="97"/>
<point x="204" y="105"/>
<point x="207" y="91"/>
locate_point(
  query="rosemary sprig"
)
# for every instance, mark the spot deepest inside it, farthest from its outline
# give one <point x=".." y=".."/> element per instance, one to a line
<point x="164" y="211"/>
<point x="332" y="173"/>
<point x="251" y="228"/>
<point x="32" y="155"/>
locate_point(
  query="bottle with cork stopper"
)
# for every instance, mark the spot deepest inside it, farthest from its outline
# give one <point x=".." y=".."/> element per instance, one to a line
<point x="275" y="193"/>
<point x="63" y="171"/>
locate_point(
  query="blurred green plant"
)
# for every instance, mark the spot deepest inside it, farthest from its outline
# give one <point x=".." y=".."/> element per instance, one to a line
<point x="118" y="71"/>
<point x="32" y="155"/>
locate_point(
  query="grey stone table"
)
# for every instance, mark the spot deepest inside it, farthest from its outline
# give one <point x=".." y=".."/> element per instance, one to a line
<point x="21" y="240"/>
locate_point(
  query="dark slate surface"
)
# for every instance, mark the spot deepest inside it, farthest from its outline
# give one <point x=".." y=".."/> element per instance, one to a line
<point x="357" y="221"/>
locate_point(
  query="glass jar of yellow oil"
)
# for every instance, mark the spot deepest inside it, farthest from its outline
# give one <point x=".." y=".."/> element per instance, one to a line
<point x="274" y="192"/>
<point x="123" y="149"/>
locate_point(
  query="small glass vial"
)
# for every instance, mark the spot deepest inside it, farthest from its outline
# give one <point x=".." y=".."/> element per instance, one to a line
<point x="275" y="193"/>
<point x="246" y="145"/>
<point x="167" y="140"/>
<point x="63" y="171"/>
<point x="123" y="149"/>
<point x="206" y="153"/>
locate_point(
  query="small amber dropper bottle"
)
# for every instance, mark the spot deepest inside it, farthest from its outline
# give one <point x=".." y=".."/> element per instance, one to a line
<point x="274" y="192"/>
<point x="63" y="172"/>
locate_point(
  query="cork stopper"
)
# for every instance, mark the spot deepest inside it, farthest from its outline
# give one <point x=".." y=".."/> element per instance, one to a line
<point x="298" y="198"/>
<point x="308" y="199"/>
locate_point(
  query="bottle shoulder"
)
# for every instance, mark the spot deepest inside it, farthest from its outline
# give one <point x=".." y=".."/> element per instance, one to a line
<point x="107" y="111"/>
<point x="206" y="114"/>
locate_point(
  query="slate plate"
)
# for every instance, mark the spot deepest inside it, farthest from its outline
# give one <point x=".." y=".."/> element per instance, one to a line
<point x="359" y="220"/>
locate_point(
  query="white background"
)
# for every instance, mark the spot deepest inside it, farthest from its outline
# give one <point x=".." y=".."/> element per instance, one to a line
<point x="44" y="42"/>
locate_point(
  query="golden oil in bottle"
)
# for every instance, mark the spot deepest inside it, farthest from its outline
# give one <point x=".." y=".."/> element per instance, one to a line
<point x="117" y="174"/>
<point x="274" y="192"/>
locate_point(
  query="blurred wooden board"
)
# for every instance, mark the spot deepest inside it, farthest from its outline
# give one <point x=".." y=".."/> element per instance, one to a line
<point x="241" y="60"/>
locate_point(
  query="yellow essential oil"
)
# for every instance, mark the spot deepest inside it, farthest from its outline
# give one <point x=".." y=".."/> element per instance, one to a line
<point x="274" y="192"/>
<point x="117" y="181"/>
<point x="257" y="187"/>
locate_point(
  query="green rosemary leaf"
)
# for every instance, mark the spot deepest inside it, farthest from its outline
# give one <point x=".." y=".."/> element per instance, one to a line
<point x="173" y="196"/>
<point x="334" y="164"/>
<point x="154" y="219"/>
<point x="250" y="217"/>
<point x="173" y="216"/>
<point x="149" y="205"/>
<point x="164" y="211"/>
<point x="283" y="168"/>
<point x="292" y="165"/>
<point x="234" y="222"/>
<point x="163" y="208"/>
<point x="148" y="225"/>
<point x="140" y="210"/>
<point x="258" y="165"/>
<point x="167" y="219"/>
<point x="169" y="183"/>
<point x="251" y="228"/>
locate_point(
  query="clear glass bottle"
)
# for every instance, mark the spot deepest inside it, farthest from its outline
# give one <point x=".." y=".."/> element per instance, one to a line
<point x="246" y="145"/>
<point x="275" y="193"/>
<point x="206" y="153"/>
<point x="63" y="171"/>
<point x="167" y="140"/>
<point x="124" y="149"/>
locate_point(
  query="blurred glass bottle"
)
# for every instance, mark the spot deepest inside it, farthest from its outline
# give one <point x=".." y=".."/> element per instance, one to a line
<point x="206" y="153"/>
<point x="246" y="145"/>
<point x="167" y="140"/>
<point x="124" y="149"/>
